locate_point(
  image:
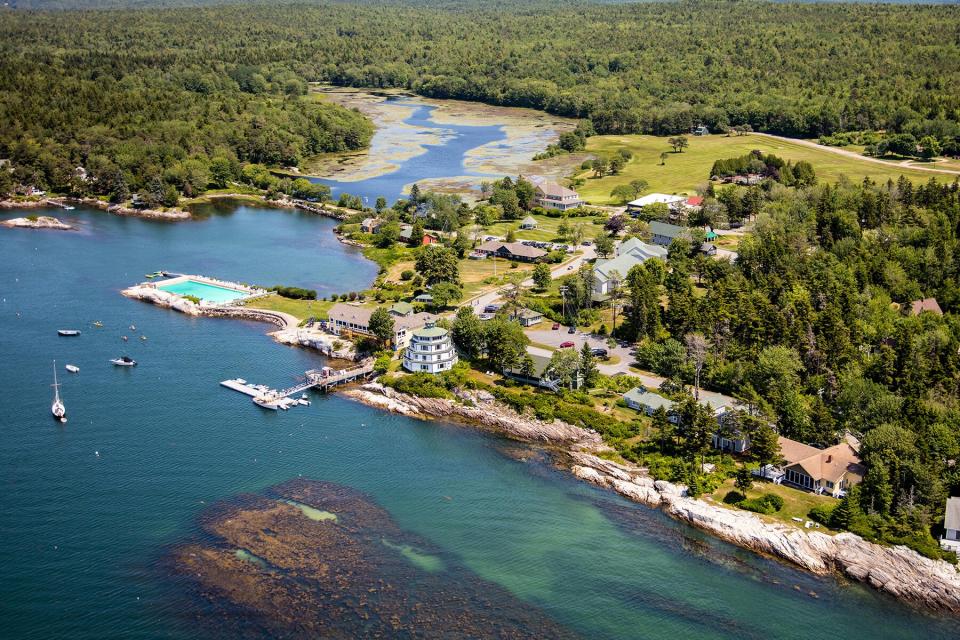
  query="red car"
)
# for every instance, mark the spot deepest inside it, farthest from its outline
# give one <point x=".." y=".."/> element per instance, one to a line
<point x="564" y="345"/>
<point x="556" y="325"/>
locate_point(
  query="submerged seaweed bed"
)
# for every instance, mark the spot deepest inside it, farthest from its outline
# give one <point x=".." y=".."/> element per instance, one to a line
<point x="310" y="558"/>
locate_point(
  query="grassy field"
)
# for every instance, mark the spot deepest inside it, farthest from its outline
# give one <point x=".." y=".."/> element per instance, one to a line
<point x="683" y="172"/>
<point x="796" y="503"/>
<point x="474" y="272"/>
<point x="301" y="309"/>
<point x="547" y="228"/>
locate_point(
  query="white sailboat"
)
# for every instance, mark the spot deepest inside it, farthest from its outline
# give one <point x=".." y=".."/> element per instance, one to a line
<point x="57" y="409"/>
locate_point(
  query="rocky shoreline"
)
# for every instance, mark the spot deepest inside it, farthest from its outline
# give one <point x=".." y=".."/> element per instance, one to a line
<point x="896" y="571"/>
<point x="37" y="222"/>
<point x="116" y="209"/>
<point x="177" y="214"/>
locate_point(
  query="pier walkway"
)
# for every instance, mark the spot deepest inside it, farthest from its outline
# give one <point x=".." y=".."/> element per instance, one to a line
<point x="326" y="378"/>
<point x="323" y="379"/>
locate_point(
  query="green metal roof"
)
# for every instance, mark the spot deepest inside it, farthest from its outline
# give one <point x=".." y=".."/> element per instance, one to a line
<point x="643" y="396"/>
<point x="430" y="332"/>
<point x="402" y="308"/>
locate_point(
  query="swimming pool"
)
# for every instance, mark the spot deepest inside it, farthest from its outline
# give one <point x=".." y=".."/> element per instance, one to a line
<point x="203" y="290"/>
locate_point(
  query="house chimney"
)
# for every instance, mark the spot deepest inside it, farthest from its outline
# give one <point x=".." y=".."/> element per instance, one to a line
<point x="829" y="458"/>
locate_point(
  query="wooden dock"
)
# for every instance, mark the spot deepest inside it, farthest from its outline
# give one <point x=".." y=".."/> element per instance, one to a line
<point x="327" y="378"/>
<point x="322" y="379"/>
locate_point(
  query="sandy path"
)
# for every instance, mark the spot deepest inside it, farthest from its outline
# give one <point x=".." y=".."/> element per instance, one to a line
<point x="906" y="164"/>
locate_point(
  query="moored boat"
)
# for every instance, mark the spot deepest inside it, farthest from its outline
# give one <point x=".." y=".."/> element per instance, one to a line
<point x="266" y="403"/>
<point x="68" y="332"/>
<point x="58" y="409"/>
<point x="72" y="368"/>
<point x="124" y="361"/>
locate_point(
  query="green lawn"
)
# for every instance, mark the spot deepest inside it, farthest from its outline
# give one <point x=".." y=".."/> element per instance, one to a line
<point x="474" y="272"/>
<point x="683" y="172"/>
<point x="301" y="309"/>
<point x="547" y="228"/>
<point x="796" y="503"/>
<point x="388" y="257"/>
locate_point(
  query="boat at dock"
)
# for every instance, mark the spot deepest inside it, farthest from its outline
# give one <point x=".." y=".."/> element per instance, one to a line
<point x="58" y="409"/>
<point x="68" y="332"/>
<point x="124" y="361"/>
<point x="266" y="403"/>
<point x="72" y="368"/>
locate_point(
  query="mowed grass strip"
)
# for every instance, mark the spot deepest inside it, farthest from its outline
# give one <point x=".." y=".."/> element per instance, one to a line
<point x="474" y="272"/>
<point x="547" y="227"/>
<point x="300" y="309"/>
<point x="683" y="172"/>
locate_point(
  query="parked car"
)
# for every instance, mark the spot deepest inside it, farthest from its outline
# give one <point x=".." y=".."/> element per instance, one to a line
<point x="600" y="353"/>
<point x="572" y="330"/>
<point x="491" y="308"/>
<point x="556" y="325"/>
<point x="566" y="345"/>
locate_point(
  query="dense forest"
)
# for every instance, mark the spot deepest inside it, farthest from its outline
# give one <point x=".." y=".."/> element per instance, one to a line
<point x="813" y="325"/>
<point x="161" y="93"/>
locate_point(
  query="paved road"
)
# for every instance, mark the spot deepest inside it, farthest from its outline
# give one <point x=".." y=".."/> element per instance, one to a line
<point x="552" y="338"/>
<point x="565" y="268"/>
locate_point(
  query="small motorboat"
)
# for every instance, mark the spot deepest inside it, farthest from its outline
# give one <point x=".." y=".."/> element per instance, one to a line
<point x="72" y="368"/>
<point x="266" y="403"/>
<point x="58" y="410"/>
<point x="97" y="323"/>
<point x="68" y="332"/>
<point x="304" y="401"/>
<point x="133" y="327"/>
<point x="143" y="337"/>
<point x="124" y="338"/>
<point x="69" y="207"/>
<point x="124" y="361"/>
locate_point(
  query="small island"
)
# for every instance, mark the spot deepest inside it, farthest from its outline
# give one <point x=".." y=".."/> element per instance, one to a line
<point x="37" y="222"/>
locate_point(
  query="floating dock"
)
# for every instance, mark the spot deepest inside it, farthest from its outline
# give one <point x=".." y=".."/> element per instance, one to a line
<point x="323" y="379"/>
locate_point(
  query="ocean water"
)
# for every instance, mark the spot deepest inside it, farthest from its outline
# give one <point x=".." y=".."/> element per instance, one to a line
<point x="89" y="510"/>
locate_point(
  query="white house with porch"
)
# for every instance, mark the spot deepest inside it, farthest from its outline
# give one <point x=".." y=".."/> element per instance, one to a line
<point x="551" y="195"/>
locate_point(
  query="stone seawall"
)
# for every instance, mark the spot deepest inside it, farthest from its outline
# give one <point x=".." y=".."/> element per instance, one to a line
<point x="281" y="320"/>
<point x="897" y="571"/>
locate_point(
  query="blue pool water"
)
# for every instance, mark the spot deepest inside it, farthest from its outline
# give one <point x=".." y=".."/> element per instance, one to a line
<point x="204" y="291"/>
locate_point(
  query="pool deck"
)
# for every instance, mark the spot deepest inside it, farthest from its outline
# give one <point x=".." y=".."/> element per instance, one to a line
<point x="157" y="293"/>
<point x="244" y="292"/>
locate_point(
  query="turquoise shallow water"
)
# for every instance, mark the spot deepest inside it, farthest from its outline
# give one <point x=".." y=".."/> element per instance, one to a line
<point x="202" y="290"/>
<point x="88" y="509"/>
